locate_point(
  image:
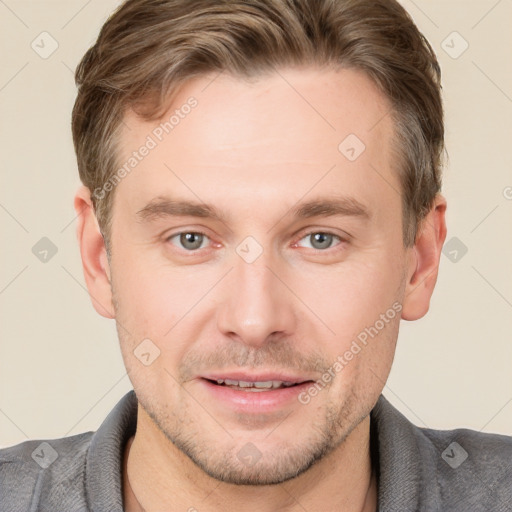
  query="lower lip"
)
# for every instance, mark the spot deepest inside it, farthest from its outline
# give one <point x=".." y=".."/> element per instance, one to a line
<point x="255" y="401"/>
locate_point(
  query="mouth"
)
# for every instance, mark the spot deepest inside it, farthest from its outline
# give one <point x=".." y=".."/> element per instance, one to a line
<point x="255" y="386"/>
<point x="248" y="393"/>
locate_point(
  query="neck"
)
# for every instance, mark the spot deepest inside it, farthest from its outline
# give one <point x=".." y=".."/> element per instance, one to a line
<point x="158" y="476"/>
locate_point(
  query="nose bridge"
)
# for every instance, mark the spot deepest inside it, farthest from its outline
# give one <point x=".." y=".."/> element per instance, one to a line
<point x="256" y="304"/>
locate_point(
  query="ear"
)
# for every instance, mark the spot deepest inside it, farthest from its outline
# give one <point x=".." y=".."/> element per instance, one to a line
<point x="424" y="262"/>
<point x="94" y="254"/>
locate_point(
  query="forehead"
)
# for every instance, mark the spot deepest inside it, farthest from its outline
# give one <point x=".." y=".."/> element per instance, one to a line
<point x="281" y="135"/>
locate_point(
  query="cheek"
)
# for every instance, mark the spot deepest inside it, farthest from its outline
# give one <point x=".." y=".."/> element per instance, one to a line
<point x="361" y="363"/>
<point x="158" y="303"/>
<point x="361" y="304"/>
<point x="353" y="296"/>
<point x="152" y="297"/>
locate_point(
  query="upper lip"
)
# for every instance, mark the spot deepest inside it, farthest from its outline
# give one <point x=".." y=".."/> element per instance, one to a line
<point x="257" y="377"/>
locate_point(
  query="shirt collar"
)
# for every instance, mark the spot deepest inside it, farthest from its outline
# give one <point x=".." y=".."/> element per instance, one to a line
<point x="103" y="473"/>
<point x="406" y="462"/>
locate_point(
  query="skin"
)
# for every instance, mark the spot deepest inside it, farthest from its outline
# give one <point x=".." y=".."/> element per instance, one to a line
<point x="254" y="151"/>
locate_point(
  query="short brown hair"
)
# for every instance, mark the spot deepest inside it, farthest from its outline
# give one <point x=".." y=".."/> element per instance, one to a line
<point x="147" y="48"/>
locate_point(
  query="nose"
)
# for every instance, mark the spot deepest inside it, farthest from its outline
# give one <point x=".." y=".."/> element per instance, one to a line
<point x="257" y="306"/>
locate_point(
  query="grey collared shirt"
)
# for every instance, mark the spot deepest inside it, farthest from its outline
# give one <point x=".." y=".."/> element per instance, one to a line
<point x="418" y="469"/>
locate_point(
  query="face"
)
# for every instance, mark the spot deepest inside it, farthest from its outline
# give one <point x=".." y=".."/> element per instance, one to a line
<point x="258" y="241"/>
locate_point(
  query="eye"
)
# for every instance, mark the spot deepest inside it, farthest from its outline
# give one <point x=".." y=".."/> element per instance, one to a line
<point x="320" y="240"/>
<point x="188" y="240"/>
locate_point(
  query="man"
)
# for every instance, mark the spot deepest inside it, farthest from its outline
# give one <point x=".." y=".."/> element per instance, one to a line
<point x="261" y="206"/>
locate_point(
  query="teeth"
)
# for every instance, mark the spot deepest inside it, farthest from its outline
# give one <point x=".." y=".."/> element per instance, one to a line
<point x="262" y="385"/>
<point x="270" y="384"/>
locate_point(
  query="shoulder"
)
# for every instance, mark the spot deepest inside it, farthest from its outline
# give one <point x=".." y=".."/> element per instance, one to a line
<point x="472" y="467"/>
<point x="53" y="468"/>
<point x="432" y="470"/>
<point x="484" y="447"/>
<point x="71" y="474"/>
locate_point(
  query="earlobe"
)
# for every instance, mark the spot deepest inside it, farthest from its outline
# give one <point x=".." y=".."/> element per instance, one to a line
<point x="424" y="262"/>
<point x="94" y="255"/>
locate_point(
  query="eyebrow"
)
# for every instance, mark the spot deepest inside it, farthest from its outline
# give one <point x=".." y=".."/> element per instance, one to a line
<point x="162" y="207"/>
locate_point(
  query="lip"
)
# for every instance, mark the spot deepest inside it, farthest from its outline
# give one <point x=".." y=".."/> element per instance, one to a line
<point x="254" y="402"/>
<point x="258" y="377"/>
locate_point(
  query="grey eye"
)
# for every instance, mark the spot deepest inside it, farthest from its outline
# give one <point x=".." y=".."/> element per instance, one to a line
<point x="189" y="240"/>
<point x="319" y="240"/>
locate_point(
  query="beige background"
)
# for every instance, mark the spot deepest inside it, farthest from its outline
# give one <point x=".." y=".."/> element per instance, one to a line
<point x="60" y="367"/>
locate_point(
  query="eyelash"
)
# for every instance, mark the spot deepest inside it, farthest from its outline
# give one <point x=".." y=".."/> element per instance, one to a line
<point x="305" y="235"/>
